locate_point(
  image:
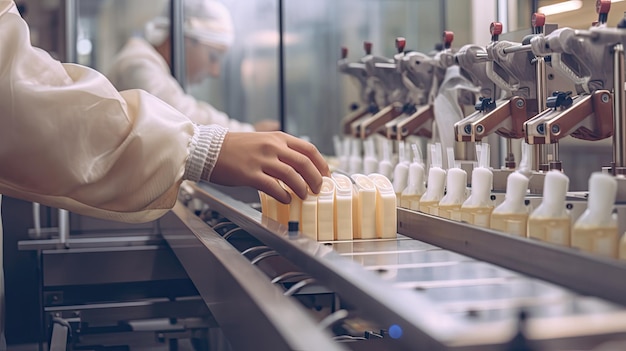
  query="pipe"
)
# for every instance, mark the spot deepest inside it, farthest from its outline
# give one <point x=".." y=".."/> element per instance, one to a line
<point x="619" y="107"/>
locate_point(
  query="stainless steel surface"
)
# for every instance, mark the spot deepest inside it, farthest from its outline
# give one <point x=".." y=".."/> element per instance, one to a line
<point x="58" y="341"/>
<point x="113" y="265"/>
<point x="619" y="107"/>
<point x="177" y="53"/>
<point x="518" y="48"/>
<point x="563" y="266"/>
<point x="540" y="151"/>
<point x="380" y="301"/>
<point x="71" y="32"/>
<point x="253" y="313"/>
<point x="463" y="303"/>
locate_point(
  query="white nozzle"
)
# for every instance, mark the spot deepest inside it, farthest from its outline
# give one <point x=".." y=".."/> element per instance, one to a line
<point x="356" y="161"/>
<point x="400" y="177"/>
<point x="456" y="182"/>
<point x="417" y="154"/>
<point x="451" y="161"/>
<point x="402" y="152"/>
<point x="344" y="157"/>
<point x="554" y="191"/>
<point x="485" y="155"/>
<point x="435" y="155"/>
<point x="370" y="161"/>
<point x="525" y="162"/>
<point x="415" y="184"/>
<point x="602" y="194"/>
<point x="516" y="187"/>
<point x="385" y="166"/>
<point x="436" y="185"/>
<point x="337" y="145"/>
<point x="482" y="182"/>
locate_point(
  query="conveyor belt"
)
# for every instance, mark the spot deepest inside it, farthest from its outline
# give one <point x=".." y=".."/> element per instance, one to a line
<point x="440" y="299"/>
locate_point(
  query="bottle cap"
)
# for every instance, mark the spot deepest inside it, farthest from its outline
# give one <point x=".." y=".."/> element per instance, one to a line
<point x="455" y="183"/>
<point x="482" y="183"/>
<point x="293" y="226"/>
<point x="400" y="177"/>
<point x="436" y="185"/>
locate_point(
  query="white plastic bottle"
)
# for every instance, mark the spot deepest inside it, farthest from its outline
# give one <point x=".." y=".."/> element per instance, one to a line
<point x="400" y="173"/>
<point x="429" y="202"/>
<point x="343" y="207"/>
<point x="596" y="230"/>
<point x="551" y="221"/>
<point x="411" y="195"/>
<point x="478" y="206"/>
<point x="386" y="211"/>
<point x="511" y="216"/>
<point x="450" y="204"/>
<point x="456" y="183"/>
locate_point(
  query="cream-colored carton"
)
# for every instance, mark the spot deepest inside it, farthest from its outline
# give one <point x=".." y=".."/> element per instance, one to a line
<point x="326" y="210"/>
<point x="366" y="206"/>
<point x="343" y="207"/>
<point x="386" y="211"/>
<point x="308" y="222"/>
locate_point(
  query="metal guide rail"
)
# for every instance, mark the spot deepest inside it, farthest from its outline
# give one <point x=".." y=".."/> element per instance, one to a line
<point x="421" y="295"/>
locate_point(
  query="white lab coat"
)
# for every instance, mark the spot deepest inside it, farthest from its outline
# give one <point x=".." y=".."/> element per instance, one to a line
<point x="69" y="139"/>
<point x="139" y="66"/>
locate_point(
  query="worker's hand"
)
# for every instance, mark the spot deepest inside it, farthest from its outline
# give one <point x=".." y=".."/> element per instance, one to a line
<point x="259" y="159"/>
<point x="267" y="125"/>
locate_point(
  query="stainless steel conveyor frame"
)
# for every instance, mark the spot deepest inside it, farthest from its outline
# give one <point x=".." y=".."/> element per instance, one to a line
<point x="424" y="322"/>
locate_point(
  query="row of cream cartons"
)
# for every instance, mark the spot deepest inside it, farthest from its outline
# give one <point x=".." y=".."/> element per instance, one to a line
<point x="596" y="230"/>
<point x="356" y="207"/>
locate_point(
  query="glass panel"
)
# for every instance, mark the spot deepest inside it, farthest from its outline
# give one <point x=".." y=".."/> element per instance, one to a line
<point x="247" y="88"/>
<point x="317" y="95"/>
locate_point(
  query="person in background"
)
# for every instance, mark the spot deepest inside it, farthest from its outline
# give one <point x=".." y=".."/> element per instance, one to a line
<point x="70" y="140"/>
<point x="145" y="63"/>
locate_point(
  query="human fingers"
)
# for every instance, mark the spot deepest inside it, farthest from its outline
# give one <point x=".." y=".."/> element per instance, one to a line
<point x="290" y="176"/>
<point x="271" y="187"/>
<point x="310" y="151"/>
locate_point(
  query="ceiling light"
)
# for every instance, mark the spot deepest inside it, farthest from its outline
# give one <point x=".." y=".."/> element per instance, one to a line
<point x="561" y="7"/>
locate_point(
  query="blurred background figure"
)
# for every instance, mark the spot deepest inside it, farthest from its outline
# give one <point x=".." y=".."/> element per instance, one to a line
<point x="144" y="63"/>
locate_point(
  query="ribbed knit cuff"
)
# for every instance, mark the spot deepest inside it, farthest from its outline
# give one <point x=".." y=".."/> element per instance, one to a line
<point x="205" y="146"/>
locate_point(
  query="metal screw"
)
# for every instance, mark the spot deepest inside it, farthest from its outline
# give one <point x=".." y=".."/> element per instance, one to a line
<point x="480" y="129"/>
<point x="467" y="129"/>
<point x="541" y="128"/>
<point x="605" y="98"/>
<point x="556" y="129"/>
<point x="519" y="103"/>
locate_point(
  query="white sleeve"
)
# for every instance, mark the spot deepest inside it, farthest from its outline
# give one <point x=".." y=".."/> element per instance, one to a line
<point x="68" y="139"/>
<point x="149" y="76"/>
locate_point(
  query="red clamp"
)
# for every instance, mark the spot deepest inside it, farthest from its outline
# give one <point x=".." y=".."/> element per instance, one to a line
<point x="400" y="44"/>
<point x="448" y="37"/>
<point x="538" y="20"/>
<point x="495" y="29"/>
<point x="602" y="9"/>
<point x="367" y="46"/>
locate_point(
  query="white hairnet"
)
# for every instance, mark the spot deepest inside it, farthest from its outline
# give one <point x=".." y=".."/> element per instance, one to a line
<point x="207" y="21"/>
